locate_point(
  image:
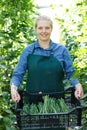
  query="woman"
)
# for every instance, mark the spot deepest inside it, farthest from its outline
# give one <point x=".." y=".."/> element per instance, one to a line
<point x="46" y="62"/>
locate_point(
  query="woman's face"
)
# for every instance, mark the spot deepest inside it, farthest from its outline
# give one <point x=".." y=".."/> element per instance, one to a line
<point x="43" y="30"/>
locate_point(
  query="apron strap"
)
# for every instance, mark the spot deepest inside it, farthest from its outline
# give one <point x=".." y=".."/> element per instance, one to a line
<point x="33" y="50"/>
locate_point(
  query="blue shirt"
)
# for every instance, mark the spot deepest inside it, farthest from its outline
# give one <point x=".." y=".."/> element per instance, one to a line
<point x="59" y="51"/>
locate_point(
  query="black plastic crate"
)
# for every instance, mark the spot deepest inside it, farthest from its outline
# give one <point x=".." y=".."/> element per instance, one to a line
<point x="50" y="121"/>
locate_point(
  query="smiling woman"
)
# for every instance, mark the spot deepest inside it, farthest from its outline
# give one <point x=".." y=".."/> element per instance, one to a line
<point x="46" y="62"/>
<point x="43" y="29"/>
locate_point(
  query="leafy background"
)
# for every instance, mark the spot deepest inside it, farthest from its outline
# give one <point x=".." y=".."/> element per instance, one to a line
<point x="73" y="33"/>
<point x="17" y="31"/>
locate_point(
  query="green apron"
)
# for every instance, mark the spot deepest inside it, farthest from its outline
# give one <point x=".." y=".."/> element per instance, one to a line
<point x="45" y="75"/>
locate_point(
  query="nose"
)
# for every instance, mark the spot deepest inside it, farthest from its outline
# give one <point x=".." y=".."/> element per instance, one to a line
<point x="43" y="30"/>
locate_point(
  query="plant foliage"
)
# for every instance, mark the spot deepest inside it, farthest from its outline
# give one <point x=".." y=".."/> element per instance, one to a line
<point x="73" y="26"/>
<point x="16" y="31"/>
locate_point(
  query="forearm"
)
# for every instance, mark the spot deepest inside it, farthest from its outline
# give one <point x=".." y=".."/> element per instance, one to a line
<point x="17" y="77"/>
<point x="16" y="81"/>
<point x="14" y="87"/>
<point x="78" y="88"/>
<point x="74" y="82"/>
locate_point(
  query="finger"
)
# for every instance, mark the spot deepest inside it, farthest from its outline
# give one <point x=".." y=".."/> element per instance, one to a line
<point x="16" y="99"/>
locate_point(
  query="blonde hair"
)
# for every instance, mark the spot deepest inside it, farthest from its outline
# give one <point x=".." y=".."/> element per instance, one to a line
<point x="45" y="18"/>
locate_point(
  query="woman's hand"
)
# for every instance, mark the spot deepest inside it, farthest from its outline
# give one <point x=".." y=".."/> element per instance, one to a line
<point x="78" y="91"/>
<point x="14" y="94"/>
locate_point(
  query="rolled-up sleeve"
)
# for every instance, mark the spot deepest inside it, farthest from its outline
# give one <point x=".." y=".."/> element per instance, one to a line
<point x="68" y="67"/>
<point x="20" y="69"/>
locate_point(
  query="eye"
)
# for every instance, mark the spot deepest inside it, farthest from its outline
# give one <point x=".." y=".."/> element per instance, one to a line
<point x="47" y="27"/>
<point x="40" y="28"/>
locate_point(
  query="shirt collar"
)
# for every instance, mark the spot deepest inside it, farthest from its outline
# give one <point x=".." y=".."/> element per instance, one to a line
<point x="38" y="46"/>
